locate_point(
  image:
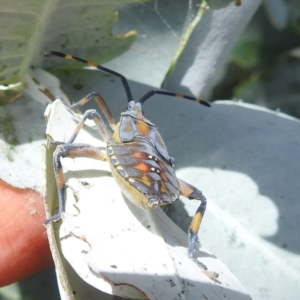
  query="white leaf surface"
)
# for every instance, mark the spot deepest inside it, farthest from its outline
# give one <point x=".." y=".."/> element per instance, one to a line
<point x="246" y="160"/>
<point x="22" y="134"/>
<point x="208" y="48"/>
<point x="43" y="87"/>
<point x="22" y="131"/>
<point x="260" y="195"/>
<point x="120" y="249"/>
<point x="278" y="12"/>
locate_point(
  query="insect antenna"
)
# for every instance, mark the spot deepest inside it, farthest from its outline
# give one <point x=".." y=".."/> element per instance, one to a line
<point x="99" y="67"/>
<point x="159" y="92"/>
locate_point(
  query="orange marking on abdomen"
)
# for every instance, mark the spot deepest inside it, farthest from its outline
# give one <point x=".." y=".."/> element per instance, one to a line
<point x="142" y="167"/>
<point x="163" y="188"/>
<point x="163" y="176"/>
<point x="146" y="180"/>
<point x="139" y="155"/>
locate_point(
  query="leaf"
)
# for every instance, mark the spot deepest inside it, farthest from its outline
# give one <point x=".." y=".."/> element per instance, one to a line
<point x="245" y="54"/>
<point x="239" y="138"/>
<point x="278" y="12"/>
<point x="218" y="4"/>
<point x="10" y="93"/>
<point x="31" y="27"/>
<point x="236" y="154"/>
<point x="112" y="244"/>
<point x="43" y="87"/>
<point x="21" y="137"/>
<point x="209" y="47"/>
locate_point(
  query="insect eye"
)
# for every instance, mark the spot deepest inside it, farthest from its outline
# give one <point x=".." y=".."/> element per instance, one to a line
<point x="130" y="105"/>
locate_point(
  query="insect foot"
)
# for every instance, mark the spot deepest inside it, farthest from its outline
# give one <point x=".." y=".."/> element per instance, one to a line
<point x="54" y="218"/>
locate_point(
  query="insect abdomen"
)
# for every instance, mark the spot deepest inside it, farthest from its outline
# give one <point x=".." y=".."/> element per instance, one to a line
<point x="139" y="164"/>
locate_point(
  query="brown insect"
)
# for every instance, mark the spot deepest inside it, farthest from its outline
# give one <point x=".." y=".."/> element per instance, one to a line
<point x="136" y="152"/>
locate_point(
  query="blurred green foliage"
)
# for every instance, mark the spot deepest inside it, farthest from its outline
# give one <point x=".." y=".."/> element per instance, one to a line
<point x="264" y="66"/>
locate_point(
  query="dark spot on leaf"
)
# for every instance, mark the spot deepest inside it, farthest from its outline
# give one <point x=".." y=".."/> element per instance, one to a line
<point x="78" y="85"/>
<point x="172" y="284"/>
<point x="189" y="284"/>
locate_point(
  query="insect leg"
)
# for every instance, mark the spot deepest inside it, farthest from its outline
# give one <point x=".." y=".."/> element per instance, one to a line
<point x="72" y="151"/>
<point x="192" y="193"/>
<point x="93" y="115"/>
<point x="100" y="101"/>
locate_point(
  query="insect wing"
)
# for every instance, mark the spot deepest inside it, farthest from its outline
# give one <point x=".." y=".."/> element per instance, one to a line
<point x="158" y="143"/>
<point x="128" y="131"/>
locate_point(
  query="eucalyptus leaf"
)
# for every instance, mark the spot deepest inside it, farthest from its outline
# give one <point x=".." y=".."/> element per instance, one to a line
<point x="218" y="4"/>
<point x="21" y="137"/>
<point x="29" y="28"/>
<point x="278" y="12"/>
<point x="116" y="247"/>
<point x="244" y="159"/>
<point x="209" y="46"/>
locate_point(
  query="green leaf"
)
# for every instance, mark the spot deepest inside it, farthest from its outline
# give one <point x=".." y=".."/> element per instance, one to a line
<point x="246" y="54"/>
<point x="29" y="28"/>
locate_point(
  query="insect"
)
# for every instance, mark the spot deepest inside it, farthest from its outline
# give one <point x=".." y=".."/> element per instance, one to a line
<point x="136" y="153"/>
